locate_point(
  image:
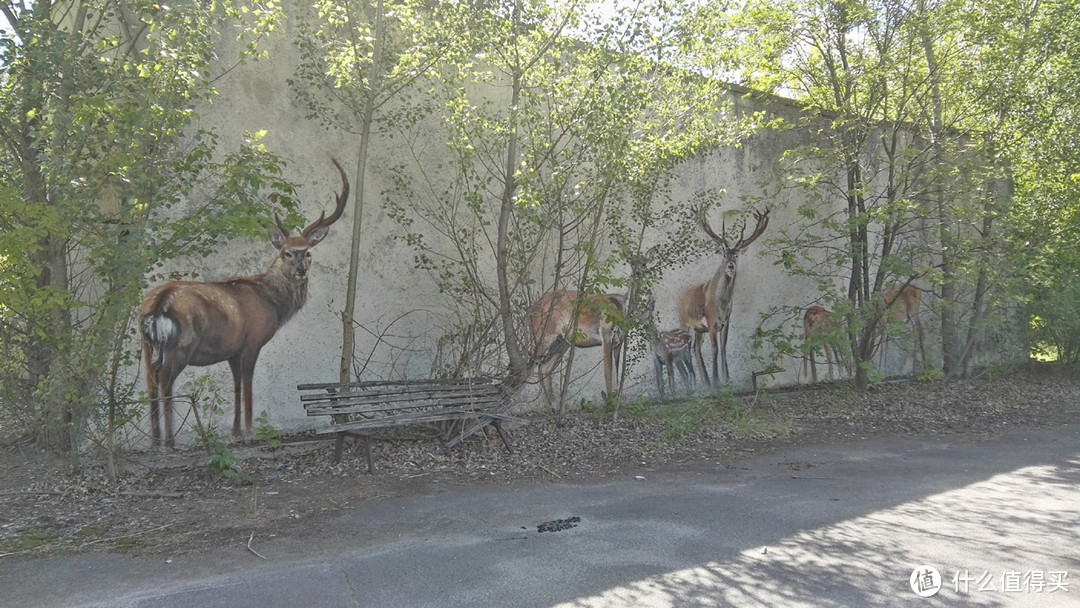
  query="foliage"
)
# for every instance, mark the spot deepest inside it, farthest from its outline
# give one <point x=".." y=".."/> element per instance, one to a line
<point x="103" y="179"/>
<point x="1031" y="84"/>
<point x="692" y="414"/>
<point x="266" y="432"/>
<point x="221" y="461"/>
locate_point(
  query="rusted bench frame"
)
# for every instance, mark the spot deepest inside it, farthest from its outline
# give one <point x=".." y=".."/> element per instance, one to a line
<point x="391" y="403"/>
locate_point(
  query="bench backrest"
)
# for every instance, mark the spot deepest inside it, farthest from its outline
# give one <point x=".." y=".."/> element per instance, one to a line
<point x="389" y="396"/>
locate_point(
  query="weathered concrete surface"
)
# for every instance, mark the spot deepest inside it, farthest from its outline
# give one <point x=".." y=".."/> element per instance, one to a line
<point x="835" y="525"/>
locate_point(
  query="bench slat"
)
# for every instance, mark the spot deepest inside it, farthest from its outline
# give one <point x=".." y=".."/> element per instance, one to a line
<point x="327" y="409"/>
<point x="399" y="384"/>
<point x="412" y="393"/>
<point x="414" y="418"/>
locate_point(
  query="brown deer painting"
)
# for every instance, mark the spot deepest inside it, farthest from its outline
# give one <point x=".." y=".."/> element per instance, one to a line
<point x="560" y="319"/>
<point x="901" y="305"/>
<point x="194" y="323"/>
<point x="817" y="323"/>
<point x="706" y="307"/>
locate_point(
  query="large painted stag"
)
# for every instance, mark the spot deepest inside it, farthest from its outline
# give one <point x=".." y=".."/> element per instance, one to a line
<point x="706" y="307"/>
<point x="197" y="323"/>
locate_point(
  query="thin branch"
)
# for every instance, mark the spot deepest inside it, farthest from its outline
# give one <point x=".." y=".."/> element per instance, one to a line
<point x="256" y="553"/>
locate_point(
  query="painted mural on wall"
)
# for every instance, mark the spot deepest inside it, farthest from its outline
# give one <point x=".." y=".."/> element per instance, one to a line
<point x="703" y="311"/>
<point x="706" y="308"/>
<point x="203" y="323"/>
<point x="694" y="301"/>
<point x="562" y="319"/>
<point x="899" y="335"/>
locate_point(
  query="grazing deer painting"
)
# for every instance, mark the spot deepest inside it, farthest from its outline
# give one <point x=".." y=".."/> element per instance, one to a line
<point x="901" y="304"/>
<point x="193" y="323"/>
<point x="706" y="307"/>
<point x="817" y="323"/>
<point x="560" y="319"/>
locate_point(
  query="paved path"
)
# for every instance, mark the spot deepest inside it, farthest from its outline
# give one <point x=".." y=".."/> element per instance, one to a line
<point x="842" y="525"/>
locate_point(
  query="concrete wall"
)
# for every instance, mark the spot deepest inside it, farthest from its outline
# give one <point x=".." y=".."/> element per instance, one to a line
<point x="405" y="303"/>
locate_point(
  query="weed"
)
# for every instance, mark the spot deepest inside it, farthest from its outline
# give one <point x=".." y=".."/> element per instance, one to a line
<point x="638" y="409"/>
<point x="688" y="415"/>
<point x="611" y="401"/>
<point x="91" y="532"/>
<point x="221" y="461"/>
<point x="265" y="432"/>
<point x="931" y="375"/>
<point x="31" y="539"/>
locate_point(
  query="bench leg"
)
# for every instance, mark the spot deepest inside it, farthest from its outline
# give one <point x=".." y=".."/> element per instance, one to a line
<point x="502" y="435"/>
<point x="367" y="453"/>
<point x="339" y="445"/>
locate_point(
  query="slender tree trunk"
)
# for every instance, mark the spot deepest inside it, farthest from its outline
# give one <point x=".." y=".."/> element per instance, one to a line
<point x="348" y="324"/>
<point x="949" y="342"/>
<point x="518" y="363"/>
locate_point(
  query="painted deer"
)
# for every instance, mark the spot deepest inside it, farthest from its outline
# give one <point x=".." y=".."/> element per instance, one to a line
<point x="671" y="349"/>
<point x="560" y="319"/>
<point x="902" y="306"/>
<point x="817" y="323"/>
<point x="193" y="323"/>
<point x="706" y="307"/>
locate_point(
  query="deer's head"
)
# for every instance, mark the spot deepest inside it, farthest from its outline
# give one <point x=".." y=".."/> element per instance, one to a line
<point x="294" y="252"/>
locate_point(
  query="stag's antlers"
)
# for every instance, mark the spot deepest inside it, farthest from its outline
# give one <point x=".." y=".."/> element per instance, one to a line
<point x="323" y="221"/>
<point x="761" y="217"/>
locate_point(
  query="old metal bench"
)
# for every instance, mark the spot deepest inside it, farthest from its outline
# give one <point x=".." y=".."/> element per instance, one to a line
<point x="358" y="408"/>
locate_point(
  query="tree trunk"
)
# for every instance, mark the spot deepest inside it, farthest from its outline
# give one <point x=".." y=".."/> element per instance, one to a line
<point x="348" y="324"/>
<point x="519" y="366"/>
<point x="949" y="342"/>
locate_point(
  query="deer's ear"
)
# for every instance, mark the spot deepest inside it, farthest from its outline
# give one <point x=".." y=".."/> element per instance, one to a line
<point x="317" y="235"/>
<point x="277" y="239"/>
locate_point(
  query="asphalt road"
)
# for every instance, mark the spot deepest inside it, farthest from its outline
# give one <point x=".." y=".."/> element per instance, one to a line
<point x="837" y="525"/>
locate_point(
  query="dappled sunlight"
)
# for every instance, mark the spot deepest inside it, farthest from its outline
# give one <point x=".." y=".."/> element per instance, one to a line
<point x="1009" y="523"/>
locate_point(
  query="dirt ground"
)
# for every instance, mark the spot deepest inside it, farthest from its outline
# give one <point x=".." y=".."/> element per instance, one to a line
<point x="168" y="503"/>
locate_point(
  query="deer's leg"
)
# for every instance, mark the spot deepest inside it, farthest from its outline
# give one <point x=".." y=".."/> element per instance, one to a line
<point x="658" y="366"/>
<point x="714" y="343"/>
<point x="247" y="380"/>
<point x="699" y="339"/>
<point x="249" y="401"/>
<point x="723" y="351"/>
<point x="689" y="376"/>
<point x="671" y="372"/>
<point x="679" y="362"/>
<point x="237" y="368"/>
<point x="168" y="380"/>
<point x="152" y="384"/>
<point x="552" y="354"/>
